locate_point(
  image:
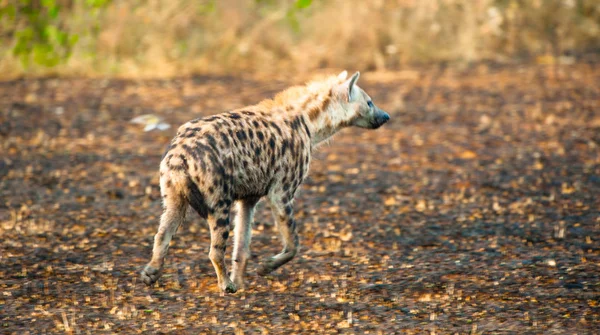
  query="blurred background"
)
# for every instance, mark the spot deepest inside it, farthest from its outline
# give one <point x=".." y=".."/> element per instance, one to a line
<point x="133" y="38"/>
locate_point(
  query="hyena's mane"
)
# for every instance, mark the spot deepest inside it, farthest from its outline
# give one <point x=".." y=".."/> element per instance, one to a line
<point x="310" y="99"/>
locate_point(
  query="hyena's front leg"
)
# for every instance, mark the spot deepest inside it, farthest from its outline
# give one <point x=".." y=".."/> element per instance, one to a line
<point x="244" y="215"/>
<point x="286" y="225"/>
<point x="219" y="232"/>
<point x="170" y="220"/>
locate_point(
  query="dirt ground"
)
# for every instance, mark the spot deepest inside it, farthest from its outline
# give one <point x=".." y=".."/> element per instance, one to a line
<point x="474" y="211"/>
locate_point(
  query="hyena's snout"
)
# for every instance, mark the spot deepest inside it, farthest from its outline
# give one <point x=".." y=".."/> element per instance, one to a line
<point x="379" y="118"/>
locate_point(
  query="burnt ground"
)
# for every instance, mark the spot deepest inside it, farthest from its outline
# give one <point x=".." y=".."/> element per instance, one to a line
<point x="475" y="210"/>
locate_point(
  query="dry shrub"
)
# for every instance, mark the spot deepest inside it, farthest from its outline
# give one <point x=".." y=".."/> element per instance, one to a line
<point x="167" y="38"/>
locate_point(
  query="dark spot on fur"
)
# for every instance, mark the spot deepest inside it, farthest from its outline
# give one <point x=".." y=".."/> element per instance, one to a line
<point x="274" y="125"/>
<point x="224" y="138"/>
<point x="295" y="124"/>
<point x="212" y="142"/>
<point x="234" y="116"/>
<point x="286" y="198"/>
<point x="260" y="135"/>
<point x="293" y="148"/>
<point x="211" y="118"/>
<point x="223" y="222"/>
<point x="190" y="132"/>
<point x="169" y="183"/>
<point x="191" y="152"/>
<point x="255" y="123"/>
<point x="292" y="223"/>
<point x="257" y="151"/>
<point x="184" y="160"/>
<point x="177" y="168"/>
<point x="301" y="168"/>
<point x="288" y="209"/>
<point x="272" y="143"/>
<point x="241" y="134"/>
<point x="201" y="147"/>
<point x="213" y="158"/>
<point x="220" y="170"/>
<point x="284" y="145"/>
<point x="305" y="127"/>
<point x="226" y="234"/>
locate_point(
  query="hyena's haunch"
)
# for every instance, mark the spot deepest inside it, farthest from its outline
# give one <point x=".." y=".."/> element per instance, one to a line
<point x="236" y="158"/>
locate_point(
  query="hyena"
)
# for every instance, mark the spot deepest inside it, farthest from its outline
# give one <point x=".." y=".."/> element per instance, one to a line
<point x="236" y="158"/>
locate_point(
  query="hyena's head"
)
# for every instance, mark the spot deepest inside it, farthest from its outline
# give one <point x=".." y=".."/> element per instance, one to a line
<point x="356" y="105"/>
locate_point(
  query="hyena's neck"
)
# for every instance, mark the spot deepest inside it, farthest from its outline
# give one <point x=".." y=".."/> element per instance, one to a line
<point x="325" y="121"/>
<point x="323" y="115"/>
<point x="320" y="112"/>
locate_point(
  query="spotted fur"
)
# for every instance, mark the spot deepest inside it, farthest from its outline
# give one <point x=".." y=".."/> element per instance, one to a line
<point x="236" y="158"/>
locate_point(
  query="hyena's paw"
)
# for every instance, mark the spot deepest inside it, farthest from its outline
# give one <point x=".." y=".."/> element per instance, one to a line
<point x="239" y="283"/>
<point x="150" y="275"/>
<point x="228" y="287"/>
<point x="267" y="267"/>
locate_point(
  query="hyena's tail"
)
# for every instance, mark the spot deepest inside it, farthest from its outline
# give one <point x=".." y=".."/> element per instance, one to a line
<point x="175" y="181"/>
<point x="178" y="187"/>
<point x="196" y="199"/>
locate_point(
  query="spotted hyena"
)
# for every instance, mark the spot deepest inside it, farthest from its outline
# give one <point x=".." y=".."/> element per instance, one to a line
<point x="236" y="158"/>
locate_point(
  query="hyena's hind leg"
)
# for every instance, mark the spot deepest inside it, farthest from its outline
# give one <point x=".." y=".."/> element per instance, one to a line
<point x="244" y="215"/>
<point x="218" y="222"/>
<point x="284" y="219"/>
<point x="175" y="206"/>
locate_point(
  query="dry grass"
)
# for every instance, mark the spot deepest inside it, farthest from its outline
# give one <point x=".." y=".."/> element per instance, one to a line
<point x="135" y="38"/>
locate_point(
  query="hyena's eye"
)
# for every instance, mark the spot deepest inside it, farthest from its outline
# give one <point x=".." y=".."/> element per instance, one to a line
<point x="370" y="103"/>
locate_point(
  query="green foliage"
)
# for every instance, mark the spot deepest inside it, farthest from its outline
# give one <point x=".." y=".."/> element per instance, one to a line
<point x="292" y="13"/>
<point x="38" y="35"/>
<point x="301" y="4"/>
<point x="207" y="8"/>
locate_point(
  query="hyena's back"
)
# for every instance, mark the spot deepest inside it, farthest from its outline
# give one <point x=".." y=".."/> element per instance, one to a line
<point x="234" y="156"/>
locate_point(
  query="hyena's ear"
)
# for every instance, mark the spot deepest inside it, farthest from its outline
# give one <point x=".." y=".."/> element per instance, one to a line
<point x="351" y="83"/>
<point x="343" y="75"/>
